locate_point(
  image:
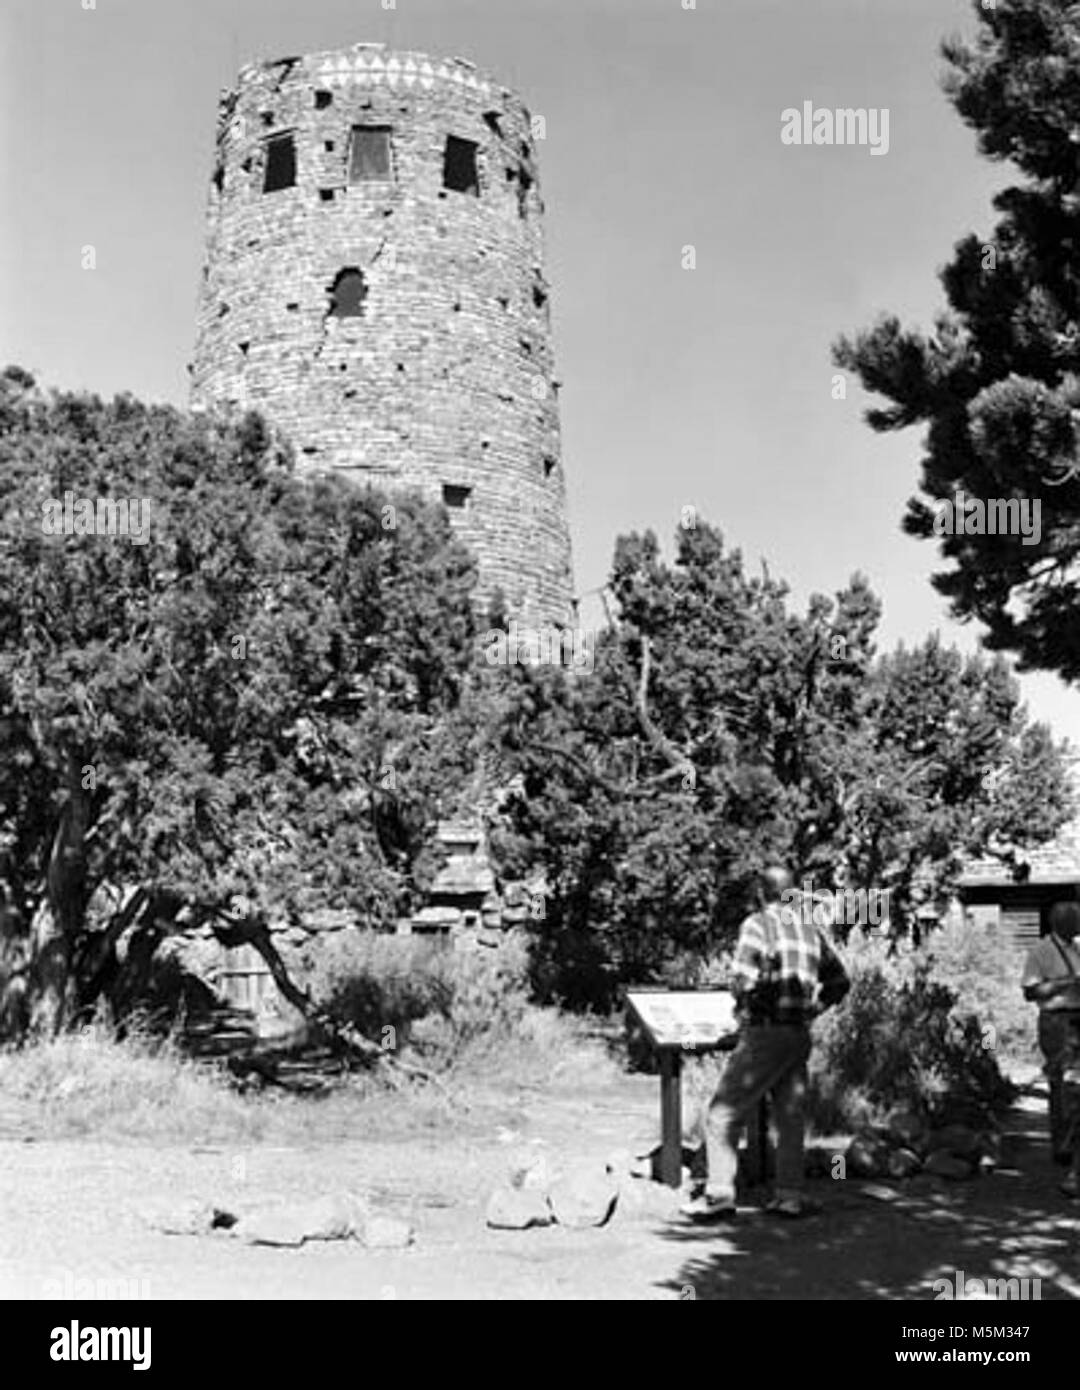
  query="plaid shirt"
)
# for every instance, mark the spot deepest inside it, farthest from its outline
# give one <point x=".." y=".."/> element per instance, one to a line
<point x="780" y="962"/>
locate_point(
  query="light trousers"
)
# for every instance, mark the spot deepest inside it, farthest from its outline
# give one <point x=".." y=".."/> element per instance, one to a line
<point x="768" y="1060"/>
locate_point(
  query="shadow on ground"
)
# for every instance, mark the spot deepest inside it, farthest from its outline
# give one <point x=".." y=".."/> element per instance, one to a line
<point x="893" y="1240"/>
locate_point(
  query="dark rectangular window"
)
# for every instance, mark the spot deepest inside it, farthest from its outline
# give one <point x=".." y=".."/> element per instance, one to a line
<point x="280" y="164"/>
<point x="455" y="497"/>
<point x="459" y="166"/>
<point x="369" y="154"/>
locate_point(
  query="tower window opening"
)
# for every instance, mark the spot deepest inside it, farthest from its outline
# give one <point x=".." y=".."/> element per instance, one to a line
<point x="549" y="466"/>
<point x="455" y="497"/>
<point x="323" y="100"/>
<point x="459" y="166"/>
<point x="347" y="294"/>
<point x="280" y="164"/>
<point x="326" y="194"/>
<point x="525" y="182"/>
<point x="219" y="178"/>
<point x="491" y="120"/>
<point x="369" y="154"/>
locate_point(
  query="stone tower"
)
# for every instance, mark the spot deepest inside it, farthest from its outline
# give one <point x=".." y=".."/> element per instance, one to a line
<point x="374" y="285"/>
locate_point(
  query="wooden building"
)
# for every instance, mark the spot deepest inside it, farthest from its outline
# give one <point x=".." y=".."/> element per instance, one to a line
<point x="1015" y="897"/>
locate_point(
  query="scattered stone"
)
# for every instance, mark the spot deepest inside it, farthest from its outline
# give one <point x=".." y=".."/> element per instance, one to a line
<point x="586" y="1197"/>
<point x="903" y="1163"/>
<point x="878" y="1192"/>
<point x="943" y="1164"/>
<point x="325" y="1218"/>
<point x="182" y="1218"/>
<point x="518" y="1208"/>
<point x="650" y="1199"/>
<point x="386" y="1233"/>
<point x="867" y="1156"/>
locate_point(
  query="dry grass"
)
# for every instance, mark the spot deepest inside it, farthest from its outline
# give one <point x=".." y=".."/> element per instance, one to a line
<point x="92" y="1084"/>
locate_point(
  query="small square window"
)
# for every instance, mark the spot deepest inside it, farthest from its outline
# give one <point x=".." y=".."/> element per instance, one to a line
<point x="347" y="294"/>
<point x="459" y="166"/>
<point x="369" y="154"/>
<point x="280" y="164"/>
<point x="455" y="497"/>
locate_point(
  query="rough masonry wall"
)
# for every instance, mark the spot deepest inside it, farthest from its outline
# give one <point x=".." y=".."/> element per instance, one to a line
<point x="443" y="381"/>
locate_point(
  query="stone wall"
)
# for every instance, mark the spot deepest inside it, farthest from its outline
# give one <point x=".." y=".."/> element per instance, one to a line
<point x="396" y="328"/>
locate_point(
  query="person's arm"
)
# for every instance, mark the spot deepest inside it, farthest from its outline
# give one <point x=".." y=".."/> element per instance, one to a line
<point x="749" y="962"/>
<point x="1034" y="983"/>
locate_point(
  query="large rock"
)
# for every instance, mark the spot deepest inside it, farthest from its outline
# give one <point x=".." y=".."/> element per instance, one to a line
<point x="324" y="1218"/>
<point x="518" y="1208"/>
<point x="585" y="1197"/>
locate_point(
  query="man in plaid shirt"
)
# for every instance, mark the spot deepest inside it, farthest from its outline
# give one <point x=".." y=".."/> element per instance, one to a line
<point x="785" y="972"/>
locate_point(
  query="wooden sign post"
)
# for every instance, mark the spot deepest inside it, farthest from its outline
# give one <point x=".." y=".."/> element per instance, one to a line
<point x="679" y="1021"/>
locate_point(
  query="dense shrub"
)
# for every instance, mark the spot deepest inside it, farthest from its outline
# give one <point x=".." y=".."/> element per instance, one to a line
<point x="438" y="999"/>
<point x="983" y="967"/>
<point x="903" y="1037"/>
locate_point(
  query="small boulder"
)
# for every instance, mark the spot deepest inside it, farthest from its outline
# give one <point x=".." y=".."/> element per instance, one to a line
<point x="325" y="1218"/>
<point x="943" y="1164"/>
<point x="867" y="1156"/>
<point x="386" y="1233"/>
<point x="586" y="1197"/>
<point x="903" y="1163"/>
<point x="518" y="1208"/>
<point x="180" y="1218"/>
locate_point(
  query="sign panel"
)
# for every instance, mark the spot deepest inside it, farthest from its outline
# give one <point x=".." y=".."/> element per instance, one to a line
<point x="685" y="1018"/>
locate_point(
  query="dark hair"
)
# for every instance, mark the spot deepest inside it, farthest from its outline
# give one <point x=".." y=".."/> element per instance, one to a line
<point x="1064" y="918"/>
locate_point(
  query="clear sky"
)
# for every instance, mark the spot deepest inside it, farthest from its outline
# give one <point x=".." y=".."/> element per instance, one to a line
<point x="708" y="387"/>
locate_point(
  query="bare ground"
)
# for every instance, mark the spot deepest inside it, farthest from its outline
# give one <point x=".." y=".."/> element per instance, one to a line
<point x="69" y="1210"/>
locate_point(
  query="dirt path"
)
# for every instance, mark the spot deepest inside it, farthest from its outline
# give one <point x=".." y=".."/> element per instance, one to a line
<point x="68" y="1211"/>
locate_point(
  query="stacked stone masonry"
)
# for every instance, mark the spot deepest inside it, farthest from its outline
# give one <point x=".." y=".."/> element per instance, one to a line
<point x="374" y="284"/>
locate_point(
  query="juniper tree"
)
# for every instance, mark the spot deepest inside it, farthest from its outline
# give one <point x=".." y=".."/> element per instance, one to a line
<point x="253" y="716"/>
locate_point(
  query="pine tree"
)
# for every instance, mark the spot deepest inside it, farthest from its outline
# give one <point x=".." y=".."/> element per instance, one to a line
<point x="998" y="381"/>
